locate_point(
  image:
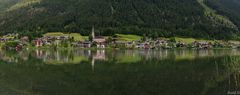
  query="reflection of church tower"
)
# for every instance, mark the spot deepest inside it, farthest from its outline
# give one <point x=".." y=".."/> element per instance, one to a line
<point x="93" y="32"/>
<point x="100" y="55"/>
<point x="93" y="64"/>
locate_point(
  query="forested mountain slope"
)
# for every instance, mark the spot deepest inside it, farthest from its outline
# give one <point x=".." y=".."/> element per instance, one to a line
<point x="228" y="8"/>
<point x="5" y="4"/>
<point x="151" y="17"/>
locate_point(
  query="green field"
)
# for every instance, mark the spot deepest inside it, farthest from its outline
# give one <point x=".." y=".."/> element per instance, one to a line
<point x="76" y="36"/>
<point x="190" y="40"/>
<point x="123" y="37"/>
<point x="79" y="37"/>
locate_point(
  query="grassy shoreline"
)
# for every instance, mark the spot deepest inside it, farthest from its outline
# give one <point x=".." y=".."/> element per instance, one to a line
<point x="109" y="48"/>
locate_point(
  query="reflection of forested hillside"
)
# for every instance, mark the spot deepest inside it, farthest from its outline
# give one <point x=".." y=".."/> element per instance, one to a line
<point x="77" y="56"/>
<point x="201" y="76"/>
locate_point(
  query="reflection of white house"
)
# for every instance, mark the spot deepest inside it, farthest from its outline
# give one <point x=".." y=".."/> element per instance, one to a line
<point x="57" y="42"/>
<point x="100" y="55"/>
<point x="38" y="53"/>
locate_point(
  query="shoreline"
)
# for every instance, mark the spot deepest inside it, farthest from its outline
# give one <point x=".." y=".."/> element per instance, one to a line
<point x="93" y="48"/>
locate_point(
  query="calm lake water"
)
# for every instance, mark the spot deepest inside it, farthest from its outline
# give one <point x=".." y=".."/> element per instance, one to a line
<point x="120" y="72"/>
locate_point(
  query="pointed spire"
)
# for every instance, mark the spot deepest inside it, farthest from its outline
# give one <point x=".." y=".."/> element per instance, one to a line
<point x="93" y="32"/>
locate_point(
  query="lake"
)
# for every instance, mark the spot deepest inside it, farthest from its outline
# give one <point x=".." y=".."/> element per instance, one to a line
<point x="120" y="72"/>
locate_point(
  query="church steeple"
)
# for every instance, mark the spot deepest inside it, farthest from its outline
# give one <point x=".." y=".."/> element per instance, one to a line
<point x="93" y="32"/>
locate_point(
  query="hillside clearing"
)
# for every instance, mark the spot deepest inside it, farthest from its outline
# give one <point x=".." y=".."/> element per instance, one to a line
<point x="123" y="37"/>
<point x="76" y="36"/>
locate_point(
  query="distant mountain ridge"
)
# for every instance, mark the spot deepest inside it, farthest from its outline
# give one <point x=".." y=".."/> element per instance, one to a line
<point x="5" y="4"/>
<point x="186" y="18"/>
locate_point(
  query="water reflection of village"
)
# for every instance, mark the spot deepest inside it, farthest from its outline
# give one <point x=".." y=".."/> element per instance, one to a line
<point x="93" y="57"/>
<point x="68" y="56"/>
<point x="76" y="56"/>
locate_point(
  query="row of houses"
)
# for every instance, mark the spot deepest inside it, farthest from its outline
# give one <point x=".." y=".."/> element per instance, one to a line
<point x="98" y="41"/>
<point x="9" y="37"/>
<point x="102" y="42"/>
<point x="166" y="44"/>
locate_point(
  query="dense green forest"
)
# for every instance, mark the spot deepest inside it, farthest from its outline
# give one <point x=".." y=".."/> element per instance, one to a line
<point x="228" y="8"/>
<point x="154" y="18"/>
<point x="4" y="4"/>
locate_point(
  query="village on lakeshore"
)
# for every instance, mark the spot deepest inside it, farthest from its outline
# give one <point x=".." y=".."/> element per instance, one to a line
<point x="121" y="41"/>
